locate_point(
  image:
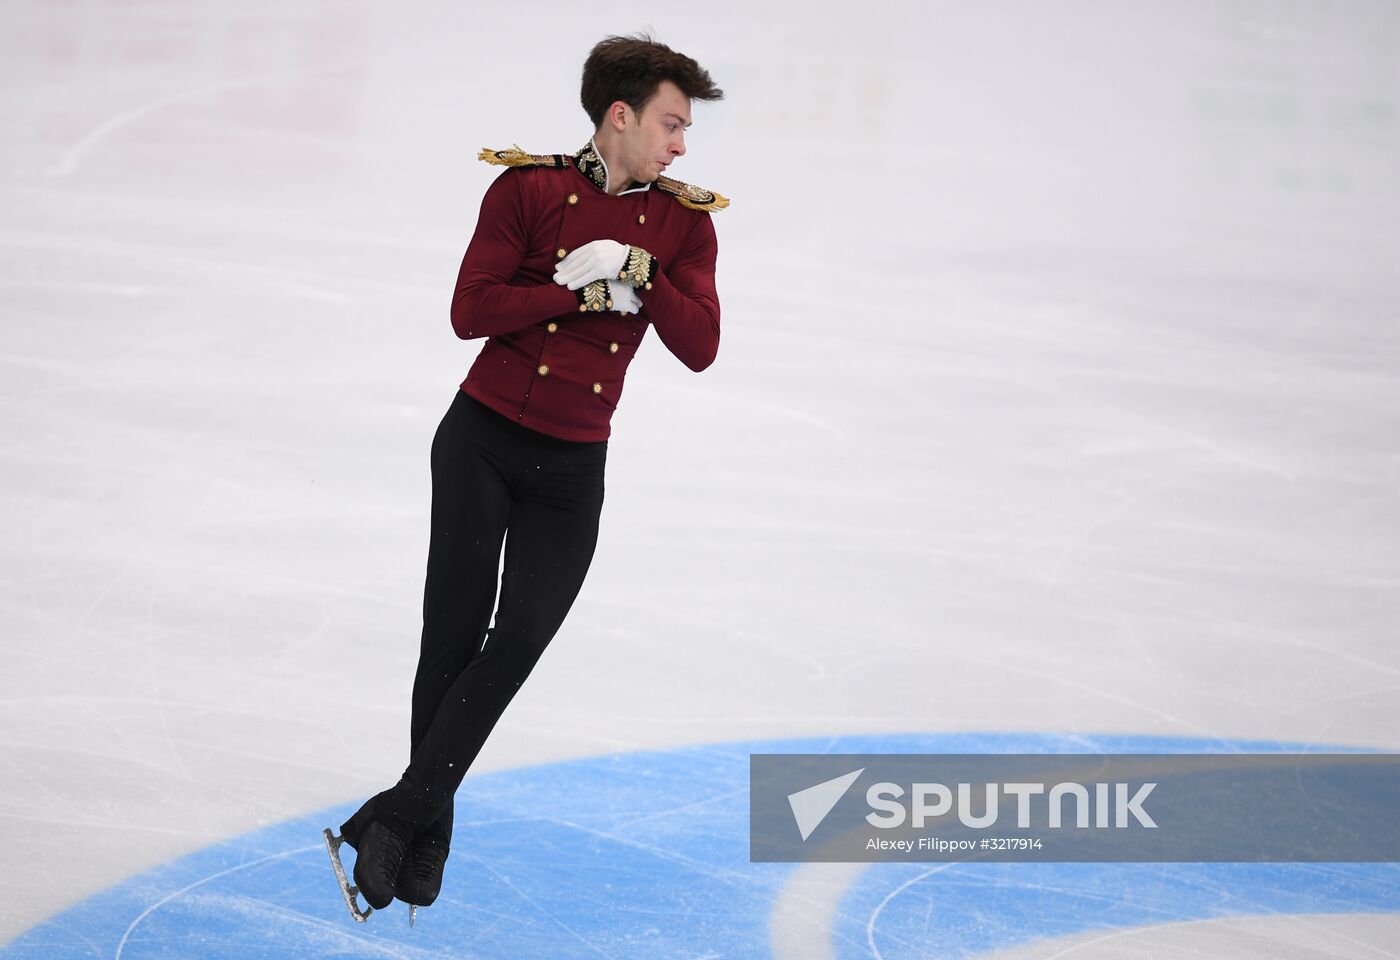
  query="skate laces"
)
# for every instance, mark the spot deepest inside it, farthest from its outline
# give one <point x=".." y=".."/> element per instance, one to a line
<point x="425" y="859"/>
<point x="395" y="850"/>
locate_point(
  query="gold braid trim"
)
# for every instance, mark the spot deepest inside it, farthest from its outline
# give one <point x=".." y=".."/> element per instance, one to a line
<point x="639" y="269"/>
<point x="689" y="195"/>
<point x="516" y="157"/>
<point x="594" y="296"/>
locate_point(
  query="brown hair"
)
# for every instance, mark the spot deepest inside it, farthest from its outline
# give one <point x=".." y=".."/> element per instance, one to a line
<point x="631" y="68"/>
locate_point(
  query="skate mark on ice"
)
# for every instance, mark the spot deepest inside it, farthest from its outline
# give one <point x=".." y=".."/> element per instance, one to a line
<point x="121" y="945"/>
<point x="71" y="157"/>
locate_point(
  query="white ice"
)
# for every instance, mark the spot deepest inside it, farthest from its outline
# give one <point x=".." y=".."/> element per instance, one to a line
<point x="1059" y="390"/>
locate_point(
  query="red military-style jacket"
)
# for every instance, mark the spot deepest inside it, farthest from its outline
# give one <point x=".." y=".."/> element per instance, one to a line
<point x="554" y="359"/>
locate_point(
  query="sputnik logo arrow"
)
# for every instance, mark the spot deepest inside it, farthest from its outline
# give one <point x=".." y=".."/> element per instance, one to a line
<point x="810" y="806"/>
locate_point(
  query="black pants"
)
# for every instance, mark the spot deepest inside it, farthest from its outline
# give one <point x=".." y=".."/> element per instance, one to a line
<point x="493" y="480"/>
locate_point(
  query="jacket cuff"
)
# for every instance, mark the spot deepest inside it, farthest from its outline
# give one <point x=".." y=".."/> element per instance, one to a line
<point x="639" y="270"/>
<point x="594" y="296"/>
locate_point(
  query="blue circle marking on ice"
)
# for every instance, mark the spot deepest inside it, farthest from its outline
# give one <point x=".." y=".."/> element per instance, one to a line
<point x="646" y="855"/>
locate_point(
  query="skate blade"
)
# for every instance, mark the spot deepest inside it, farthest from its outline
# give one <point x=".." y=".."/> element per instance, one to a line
<point x="412" y="913"/>
<point x="349" y="892"/>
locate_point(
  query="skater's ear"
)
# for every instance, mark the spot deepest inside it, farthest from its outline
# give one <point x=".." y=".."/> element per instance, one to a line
<point x="619" y="117"/>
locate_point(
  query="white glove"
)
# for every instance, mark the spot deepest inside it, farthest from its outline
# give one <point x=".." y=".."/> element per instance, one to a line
<point x="624" y="297"/>
<point x="595" y="260"/>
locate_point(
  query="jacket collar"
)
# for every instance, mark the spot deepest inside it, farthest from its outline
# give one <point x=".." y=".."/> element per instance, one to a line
<point x="591" y="164"/>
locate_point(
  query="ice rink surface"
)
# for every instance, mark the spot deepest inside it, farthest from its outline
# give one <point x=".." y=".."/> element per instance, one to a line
<point x="1057" y="408"/>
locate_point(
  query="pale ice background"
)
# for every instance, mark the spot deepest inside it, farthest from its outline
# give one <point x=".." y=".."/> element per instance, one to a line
<point x="1059" y="390"/>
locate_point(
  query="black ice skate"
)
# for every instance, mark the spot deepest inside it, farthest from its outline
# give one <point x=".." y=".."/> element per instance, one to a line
<point x="420" y="877"/>
<point x="380" y="854"/>
<point x="350" y="893"/>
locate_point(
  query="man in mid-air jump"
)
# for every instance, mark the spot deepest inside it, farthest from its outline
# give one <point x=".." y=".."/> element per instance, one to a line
<point x="573" y="258"/>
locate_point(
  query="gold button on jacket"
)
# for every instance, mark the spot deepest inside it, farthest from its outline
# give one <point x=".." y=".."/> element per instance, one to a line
<point x="597" y="388"/>
<point x="543" y="369"/>
<point x="612" y="347"/>
<point x="573" y="199"/>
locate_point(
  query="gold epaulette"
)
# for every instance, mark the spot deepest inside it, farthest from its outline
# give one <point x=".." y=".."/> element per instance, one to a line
<point x="689" y="195"/>
<point x="515" y="157"/>
<point x="696" y="198"/>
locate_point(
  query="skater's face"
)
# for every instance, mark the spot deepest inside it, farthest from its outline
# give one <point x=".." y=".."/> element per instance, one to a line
<point x="651" y="140"/>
